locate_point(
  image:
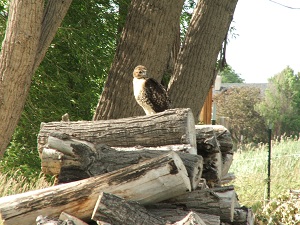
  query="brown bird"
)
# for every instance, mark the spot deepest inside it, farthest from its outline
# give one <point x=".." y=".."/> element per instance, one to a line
<point x="149" y="94"/>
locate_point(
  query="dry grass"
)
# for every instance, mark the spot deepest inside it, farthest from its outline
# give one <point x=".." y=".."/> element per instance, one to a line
<point x="10" y="185"/>
<point x="250" y="168"/>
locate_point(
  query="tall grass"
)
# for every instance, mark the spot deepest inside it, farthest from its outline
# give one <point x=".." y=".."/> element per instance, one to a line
<point x="250" y="168"/>
<point x="10" y="184"/>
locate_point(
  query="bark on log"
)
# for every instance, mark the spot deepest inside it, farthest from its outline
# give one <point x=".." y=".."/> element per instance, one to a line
<point x="243" y="216"/>
<point x="175" y="213"/>
<point x="208" y="148"/>
<point x="191" y="218"/>
<point x="117" y="211"/>
<point x="150" y="181"/>
<point x="76" y="160"/>
<point x="224" y="139"/>
<point x="65" y="216"/>
<point x="217" y="201"/>
<point x="174" y="126"/>
<point x="211" y="141"/>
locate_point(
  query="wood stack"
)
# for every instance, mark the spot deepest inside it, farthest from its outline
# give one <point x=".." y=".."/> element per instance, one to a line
<point x="141" y="170"/>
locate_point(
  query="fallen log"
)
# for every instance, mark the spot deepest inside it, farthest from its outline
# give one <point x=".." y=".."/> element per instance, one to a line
<point x="74" y="160"/>
<point x="219" y="201"/>
<point x="117" y="211"/>
<point x="150" y="181"/>
<point x="171" y="127"/>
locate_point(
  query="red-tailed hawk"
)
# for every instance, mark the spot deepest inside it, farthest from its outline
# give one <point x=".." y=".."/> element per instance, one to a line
<point x="149" y="94"/>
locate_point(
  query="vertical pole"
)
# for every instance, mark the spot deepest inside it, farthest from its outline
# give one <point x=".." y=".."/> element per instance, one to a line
<point x="214" y="112"/>
<point x="269" y="163"/>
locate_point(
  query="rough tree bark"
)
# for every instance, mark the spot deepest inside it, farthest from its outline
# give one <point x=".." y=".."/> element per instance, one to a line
<point x="30" y="30"/>
<point x="195" y="67"/>
<point x="147" y="39"/>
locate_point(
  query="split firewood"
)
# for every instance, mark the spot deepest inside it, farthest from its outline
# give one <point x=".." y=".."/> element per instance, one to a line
<point x="175" y="213"/>
<point x="114" y="210"/>
<point x="74" y="160"/>
<point x="117" y="211"/>
<point x="215" y="144"/>
<point x="243" y="216"/>
<point x="209" y="148"/>
<point x="217" y="201"/>
<point x="171" y="127"/>
<point x="148" y="182"/>
<point x="67" y="217"/>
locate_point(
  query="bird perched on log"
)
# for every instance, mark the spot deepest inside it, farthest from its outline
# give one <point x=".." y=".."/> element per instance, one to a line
<point x="149" y="93"/>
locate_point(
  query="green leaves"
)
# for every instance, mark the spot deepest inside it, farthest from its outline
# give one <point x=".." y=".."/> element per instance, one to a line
<point x="281" y="105"/>
<point x="69" y="79"/>
<point x="246" y="125"/>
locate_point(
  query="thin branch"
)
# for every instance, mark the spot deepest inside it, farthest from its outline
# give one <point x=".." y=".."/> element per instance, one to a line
<point x="289" y="7"/>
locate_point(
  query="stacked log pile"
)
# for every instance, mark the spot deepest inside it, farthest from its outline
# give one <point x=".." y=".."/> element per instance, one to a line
<point x="156" y="169"/>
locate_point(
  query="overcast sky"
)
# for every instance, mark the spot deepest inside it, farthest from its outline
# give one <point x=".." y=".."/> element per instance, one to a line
<point x="268" y="39"/>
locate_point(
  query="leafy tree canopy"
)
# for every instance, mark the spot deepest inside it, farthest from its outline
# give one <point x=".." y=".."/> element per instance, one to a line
<point x="281" y="106"/>
<point x="230" y="76"/>
<point x="245" y="122"/>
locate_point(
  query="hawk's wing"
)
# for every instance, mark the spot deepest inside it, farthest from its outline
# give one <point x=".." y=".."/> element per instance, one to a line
<point x="156" y="95"/>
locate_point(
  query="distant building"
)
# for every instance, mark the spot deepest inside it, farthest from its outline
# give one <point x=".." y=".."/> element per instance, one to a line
<point x="226" y="86"/>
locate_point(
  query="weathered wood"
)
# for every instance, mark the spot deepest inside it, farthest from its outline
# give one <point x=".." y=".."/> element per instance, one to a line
<point x="226" y="146"/>
<point x="150" y="181"/>
<point x="117" y="211"/>
<point x="228" y="178"/>
<point x="217" y="201"/>
<point x="176" y="213"/>
<point x="191" y="218"/>
<point x="77" y="160"/>
<point x="67" y="217"/>
<point x="208" y="147"/>
<point x="224" y="139"/>
<point x="174" y="126"/>
<point x="214" y="141"/>
<point x="243" y="216"/>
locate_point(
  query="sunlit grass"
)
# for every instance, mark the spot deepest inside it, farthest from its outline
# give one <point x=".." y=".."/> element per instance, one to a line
<point x="10" y="185"/>
<point x="250" y="168"/>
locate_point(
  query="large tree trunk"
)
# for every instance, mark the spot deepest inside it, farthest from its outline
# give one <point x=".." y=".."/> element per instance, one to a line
<point x="195" y="68"/>
<point x="147" y="39"/>
<point x="29" y="32"/>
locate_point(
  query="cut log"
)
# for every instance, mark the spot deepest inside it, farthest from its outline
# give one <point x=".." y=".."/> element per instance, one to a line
<point x="67" y="217"/>
<point x="217" y="201"/>
<point x="171" y="127"/>
<point x="176" y="213"/>
<point x="150" y="181"/>
<point x="191" y="219"/>
<point x="208" y="147"/>
<point x="228" y="178"/>
<point x="112" y="209"/>
<point x="117" y="211"/>
<point x="77" y="160"/>
<point x="211" y="141"/>
<point x="224" y="139"/>
<point x="243" y="216"/>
